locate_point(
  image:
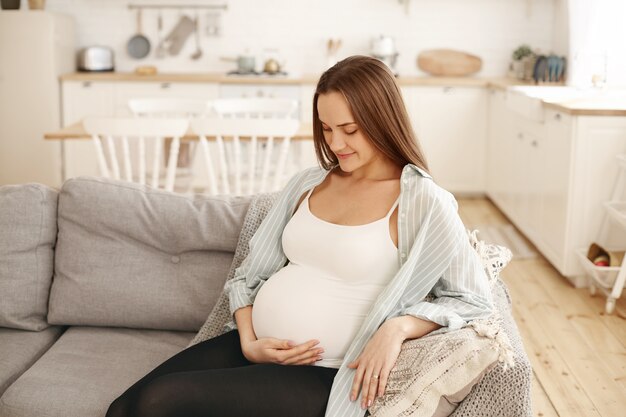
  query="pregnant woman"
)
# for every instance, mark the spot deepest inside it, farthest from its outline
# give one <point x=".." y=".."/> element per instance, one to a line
<point x="354" y="257"/>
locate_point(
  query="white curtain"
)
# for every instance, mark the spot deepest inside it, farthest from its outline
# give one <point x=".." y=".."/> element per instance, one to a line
<point x="597" y="42"/>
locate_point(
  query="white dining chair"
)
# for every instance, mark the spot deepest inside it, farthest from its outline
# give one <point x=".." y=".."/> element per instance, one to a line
<point x="136" y="132"/>
<point x="256" y="172"/>
<point x="254" y="108"/>
<point x="169" y="107"/>
<point x="175" y="107"/>
<point x="262" y="107"/>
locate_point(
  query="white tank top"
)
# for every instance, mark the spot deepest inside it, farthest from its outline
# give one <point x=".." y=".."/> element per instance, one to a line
<point x="334" y="274"/>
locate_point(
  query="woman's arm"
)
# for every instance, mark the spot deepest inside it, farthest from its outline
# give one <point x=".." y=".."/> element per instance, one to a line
<point x="409" y="327"/>
<point x="462" y="291"/>
<point x="243" y="317"/>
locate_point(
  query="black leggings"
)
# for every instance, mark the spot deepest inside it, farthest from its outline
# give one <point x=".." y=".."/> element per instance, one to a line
<point x="214" y="379"/>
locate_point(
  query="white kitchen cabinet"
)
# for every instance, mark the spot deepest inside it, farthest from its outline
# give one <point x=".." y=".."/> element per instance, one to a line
<point x="550" y="178"/>
<point x="557" y="150"/>
<point x="87" y="98"/>
<point x="498" y="148"/>
<point x="82" y="99"/>
<point x="451" y="125"/>
<point x="125" y="91"/>
<point x="232" y="90"/>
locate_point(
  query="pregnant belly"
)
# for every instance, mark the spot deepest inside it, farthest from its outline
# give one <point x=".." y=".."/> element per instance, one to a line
<point x="299" y="303"/>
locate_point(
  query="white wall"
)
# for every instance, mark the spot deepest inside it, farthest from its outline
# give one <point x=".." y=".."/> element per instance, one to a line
<point x="490" y="29"/>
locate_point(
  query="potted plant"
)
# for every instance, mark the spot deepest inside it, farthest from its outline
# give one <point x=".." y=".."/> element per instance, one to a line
<point x="521" y="55"/>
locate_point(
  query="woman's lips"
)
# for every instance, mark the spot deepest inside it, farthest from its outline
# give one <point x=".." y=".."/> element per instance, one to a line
<point x="344" y="156"/>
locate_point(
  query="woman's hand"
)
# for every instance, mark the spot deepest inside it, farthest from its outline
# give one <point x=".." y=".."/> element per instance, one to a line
<point x="377" y="359"/>
<point x="271" y="350"/>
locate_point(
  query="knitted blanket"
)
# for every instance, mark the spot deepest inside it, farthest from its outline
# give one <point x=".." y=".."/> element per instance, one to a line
<point x="502" y="384"/>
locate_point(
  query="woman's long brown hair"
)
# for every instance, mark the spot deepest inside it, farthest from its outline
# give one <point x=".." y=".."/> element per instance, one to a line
<point x="376" y="103"/>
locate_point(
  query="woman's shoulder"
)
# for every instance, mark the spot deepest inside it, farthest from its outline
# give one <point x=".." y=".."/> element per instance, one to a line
<point x="422" y="187"/>
<point x="309" y="174"/>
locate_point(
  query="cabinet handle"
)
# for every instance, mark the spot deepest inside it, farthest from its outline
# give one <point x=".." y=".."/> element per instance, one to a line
<point x="447" y="89"/>
<point x="86" y="84"/>
<point x="165" y="85"/>
<point x="520" y="135"/>
<point x="557" y="116"/>
<point x="534" y="143"/>
<point x="260" y="93"/>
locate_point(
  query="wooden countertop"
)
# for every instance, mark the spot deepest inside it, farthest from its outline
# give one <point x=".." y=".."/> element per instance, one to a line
<point x="77" y="131"/>
<point x="270" y="79"/>
<point x="595" y="106"/>
<point x="578" y="107"/>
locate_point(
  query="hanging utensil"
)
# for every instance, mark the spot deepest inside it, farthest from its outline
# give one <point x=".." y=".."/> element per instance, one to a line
<point x="138" y="46"/>
<point x="179" y="34"/>
<point x="198" y="53"/>
<point x="160" y="49"/>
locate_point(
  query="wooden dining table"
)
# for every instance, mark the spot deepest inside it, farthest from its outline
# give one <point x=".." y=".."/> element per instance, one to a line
<point x="76" y="131"/>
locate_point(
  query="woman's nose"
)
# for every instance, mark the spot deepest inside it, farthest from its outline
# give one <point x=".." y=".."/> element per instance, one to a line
<point x="336" y="143"/>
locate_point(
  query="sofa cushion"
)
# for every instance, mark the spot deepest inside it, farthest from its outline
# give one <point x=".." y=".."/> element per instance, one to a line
<point x="19" y="349"/>
<point x="88" y="368"/>
<point x="28" y="232"/>
<point x="132" y="256"/>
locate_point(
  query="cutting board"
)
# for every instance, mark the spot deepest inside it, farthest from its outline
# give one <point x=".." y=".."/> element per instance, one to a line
<point x="448" y="62"/>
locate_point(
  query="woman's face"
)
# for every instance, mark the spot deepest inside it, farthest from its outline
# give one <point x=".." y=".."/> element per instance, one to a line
<point x="342" y="134"/>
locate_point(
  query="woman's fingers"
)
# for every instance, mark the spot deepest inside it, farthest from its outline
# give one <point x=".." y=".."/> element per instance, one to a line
<point x="356" y="383"/>
<point x="373" y="388"/>
<point x="382" y="382"/>
<point x="369" y="386"/>
<point x="305" y="357"/>
<point x="365" y="391"/>
<point x="297" y="353"/>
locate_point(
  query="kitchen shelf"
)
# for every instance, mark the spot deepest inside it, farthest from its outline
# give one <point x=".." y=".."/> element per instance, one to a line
<point x="610" y="279"/>
<point x="603" y="276"/>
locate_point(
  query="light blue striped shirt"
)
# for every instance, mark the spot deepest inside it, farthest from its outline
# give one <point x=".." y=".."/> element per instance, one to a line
<point x="434" y="255"/>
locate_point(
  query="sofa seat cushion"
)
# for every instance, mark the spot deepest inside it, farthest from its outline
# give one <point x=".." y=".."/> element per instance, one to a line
<point x="132" y="256"/>
<point x="19" y="349"/>
<point x="88" y="368"/>
<point x="28" y="230"/>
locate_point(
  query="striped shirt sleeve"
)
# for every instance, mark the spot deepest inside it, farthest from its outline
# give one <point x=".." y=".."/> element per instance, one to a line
<point x="462" y="293"/>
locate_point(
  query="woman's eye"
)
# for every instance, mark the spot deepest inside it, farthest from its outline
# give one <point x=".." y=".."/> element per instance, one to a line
<point x="326" y="130"/>
<point x="351" y="133"/>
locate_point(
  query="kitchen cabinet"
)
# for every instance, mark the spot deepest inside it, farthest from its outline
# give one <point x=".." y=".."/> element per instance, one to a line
<point x="125" y="91"/>
<point x="234" y="90"/>
<point x="497" y="149"/>
<point x="550" y="177"/>
<point x="557" y="150"/>
<point x="451" y="125"/>
<point x="82" y="99"/>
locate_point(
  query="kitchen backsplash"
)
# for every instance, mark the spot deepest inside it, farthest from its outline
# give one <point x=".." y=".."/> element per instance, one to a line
<point x="299" y="30"/>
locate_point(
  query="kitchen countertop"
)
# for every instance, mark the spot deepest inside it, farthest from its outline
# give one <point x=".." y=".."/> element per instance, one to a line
<point x="270" y="79"/>
<point x="594" y="106"/>
<point x="575" y="101"/>
<point x="581" y="106"/>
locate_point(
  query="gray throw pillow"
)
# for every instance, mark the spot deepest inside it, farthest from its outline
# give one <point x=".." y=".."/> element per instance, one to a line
<point x="133" y="256"/>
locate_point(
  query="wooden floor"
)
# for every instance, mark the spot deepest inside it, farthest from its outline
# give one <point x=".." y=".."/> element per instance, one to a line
<point x="578" y="353"/>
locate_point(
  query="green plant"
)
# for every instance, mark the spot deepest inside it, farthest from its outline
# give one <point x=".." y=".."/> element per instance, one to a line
<point x="521" y="52"/>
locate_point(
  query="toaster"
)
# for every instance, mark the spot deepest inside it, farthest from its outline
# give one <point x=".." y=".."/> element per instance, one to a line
<point x="96" y="58"/>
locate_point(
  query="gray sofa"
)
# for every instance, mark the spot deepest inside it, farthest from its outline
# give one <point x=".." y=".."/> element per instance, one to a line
<point x="102" y="281"/>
